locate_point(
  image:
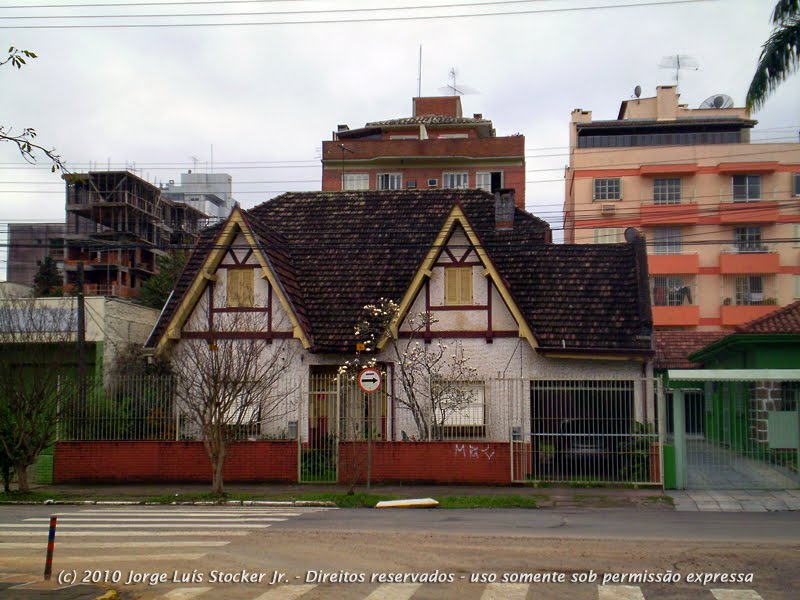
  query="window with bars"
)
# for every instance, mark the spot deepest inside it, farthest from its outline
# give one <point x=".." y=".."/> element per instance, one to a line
<point x="671" y="290"/>
<point x="746" y="188"/>
<point x="667" y="240"/>
<point x="459" y="180"/>
<point x="748" y="239"/>
<point x="667" y="191"/>
<point x="607" y="189"/>
<point x="390" y="181"/>
<point x="749" y="290"/>
<point x="355" y="181"/>
<point x="461" y="408"/>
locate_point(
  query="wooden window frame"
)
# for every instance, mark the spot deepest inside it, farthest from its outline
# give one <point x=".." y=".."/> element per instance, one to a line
<point x="456" y="279"/>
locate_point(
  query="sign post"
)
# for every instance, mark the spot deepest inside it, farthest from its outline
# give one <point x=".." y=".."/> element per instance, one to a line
<point x="370" y="381"/>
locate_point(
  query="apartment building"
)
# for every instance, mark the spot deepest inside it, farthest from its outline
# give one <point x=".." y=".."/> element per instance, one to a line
<point x="436" y="147"/>
<point x="117" y="224"/>
<point x="28" y="244"/>
<point x="721" y="214"/>
<point x="210" y="193"/>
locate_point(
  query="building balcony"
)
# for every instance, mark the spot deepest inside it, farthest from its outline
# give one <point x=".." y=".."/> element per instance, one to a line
<point x="673" y="264"/>
<point x="733" y="263"/>
<point x="753" y="211"/>
<point x="676" y="316"/>
<point x="685" y="213"/>
<point x="731" y="315"/>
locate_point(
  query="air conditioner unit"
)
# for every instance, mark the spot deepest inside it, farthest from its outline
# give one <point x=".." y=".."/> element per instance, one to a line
<point x="608" y="209"/>
<point x="432" y="183"/>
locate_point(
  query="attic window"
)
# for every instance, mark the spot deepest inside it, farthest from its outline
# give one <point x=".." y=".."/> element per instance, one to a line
<point x="240" y="288"/>
<point x="458" y="286"/>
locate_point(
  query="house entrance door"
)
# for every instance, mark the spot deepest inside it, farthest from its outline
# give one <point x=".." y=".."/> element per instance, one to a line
<point x="319" y="451"/>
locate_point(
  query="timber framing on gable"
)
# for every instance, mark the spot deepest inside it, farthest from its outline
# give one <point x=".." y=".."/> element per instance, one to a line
<point x="424" y="272"/>
<point x="235" y="224"/>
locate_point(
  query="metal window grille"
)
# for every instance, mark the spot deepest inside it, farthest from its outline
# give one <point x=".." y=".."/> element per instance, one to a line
<point x="672" y="290"/>
<point x="667" y="240"/>
<point x="748" y="239"/>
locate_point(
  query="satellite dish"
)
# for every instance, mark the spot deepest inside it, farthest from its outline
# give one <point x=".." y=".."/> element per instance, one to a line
<point x="631" y="234"/>
<point x="637" y="91"/>
<point x="456" y="90"/>
<point x="718" y="101"/>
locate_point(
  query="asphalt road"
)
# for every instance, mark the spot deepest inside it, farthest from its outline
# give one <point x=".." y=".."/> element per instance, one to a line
<point x="191" y="552"/>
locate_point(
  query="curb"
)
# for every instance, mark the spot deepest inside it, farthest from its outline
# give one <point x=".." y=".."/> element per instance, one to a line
<point x="275" y="503"/>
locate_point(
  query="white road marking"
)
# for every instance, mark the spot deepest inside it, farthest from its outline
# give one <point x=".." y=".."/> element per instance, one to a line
<point x="73" y="545"/>
<point x="394" y="591"/>
<point x="149" y="519"/>
<point x="505" y="591"/>
<point x="287" y="592"/>
<point x="61" y="534"/>
<point x="139" y="525"/>
<point x="736" y="595"/>
<point x="130" y="557"/>
<point x="619" y="592"/>
<point x="185" y="593"/>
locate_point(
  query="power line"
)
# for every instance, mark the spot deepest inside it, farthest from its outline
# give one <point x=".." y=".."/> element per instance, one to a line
<point x="364" y="20"/>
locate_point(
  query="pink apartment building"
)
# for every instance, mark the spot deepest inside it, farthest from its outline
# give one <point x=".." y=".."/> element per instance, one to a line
<point x="721" y="215"/>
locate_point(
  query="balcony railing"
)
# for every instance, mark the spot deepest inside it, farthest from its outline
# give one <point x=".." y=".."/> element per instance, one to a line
<point x="749" y="258"/>
<point x="674" y="264"/>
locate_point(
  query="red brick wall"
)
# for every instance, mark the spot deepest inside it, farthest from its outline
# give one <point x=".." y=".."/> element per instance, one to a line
<point x="172" y="461"/>
<point x="437" y="105"/>
<point x="427" y="462"/>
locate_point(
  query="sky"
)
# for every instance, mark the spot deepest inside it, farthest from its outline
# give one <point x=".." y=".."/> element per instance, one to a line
<point x="254" y="93"/>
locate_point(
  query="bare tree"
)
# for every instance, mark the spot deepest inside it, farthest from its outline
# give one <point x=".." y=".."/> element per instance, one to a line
<point x="38" y="378"/>
<point x="435" y="379"/>
<point x="24" y="138"/>
<point x="234" y="380"/>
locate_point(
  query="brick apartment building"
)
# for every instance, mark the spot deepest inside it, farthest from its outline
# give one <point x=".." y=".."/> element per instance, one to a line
<point x="436" y="147"/>
<point x="721" y="214"/>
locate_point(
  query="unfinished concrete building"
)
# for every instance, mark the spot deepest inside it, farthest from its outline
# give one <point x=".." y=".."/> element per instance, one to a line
<point x="117" y="224"/>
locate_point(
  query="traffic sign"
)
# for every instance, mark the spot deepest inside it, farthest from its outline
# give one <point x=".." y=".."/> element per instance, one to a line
<point x="369" y="380"/>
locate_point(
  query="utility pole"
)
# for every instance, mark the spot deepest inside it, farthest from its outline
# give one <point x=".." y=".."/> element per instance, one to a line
<point x="81" y="338"/>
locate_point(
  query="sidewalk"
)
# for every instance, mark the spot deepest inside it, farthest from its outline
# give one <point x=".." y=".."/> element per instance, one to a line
<point x="547" y="497"/>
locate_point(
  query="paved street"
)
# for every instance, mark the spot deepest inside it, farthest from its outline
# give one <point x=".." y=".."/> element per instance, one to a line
<point x="255" y="553"/>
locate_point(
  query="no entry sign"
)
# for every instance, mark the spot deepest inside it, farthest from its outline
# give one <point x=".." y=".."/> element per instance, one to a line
<point x="369" y="380"/>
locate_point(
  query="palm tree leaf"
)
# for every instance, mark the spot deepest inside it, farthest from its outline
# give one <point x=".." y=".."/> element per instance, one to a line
<point x="779" y="58"/>
<point x="785" y="9"/>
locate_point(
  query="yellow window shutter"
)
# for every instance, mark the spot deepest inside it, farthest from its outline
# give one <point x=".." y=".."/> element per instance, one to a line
<point x="233" y="287"/>
<point x="466" y="285"/>
<point x="451" y="285"/>
<point x="246" y="288"/>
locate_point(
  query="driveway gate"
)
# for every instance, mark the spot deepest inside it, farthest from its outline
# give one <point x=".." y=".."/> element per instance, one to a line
<point x="736" y="428"/>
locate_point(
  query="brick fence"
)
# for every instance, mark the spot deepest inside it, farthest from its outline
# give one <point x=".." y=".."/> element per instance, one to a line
<point x="171" y="461"/>
<point x="265" y="461"/>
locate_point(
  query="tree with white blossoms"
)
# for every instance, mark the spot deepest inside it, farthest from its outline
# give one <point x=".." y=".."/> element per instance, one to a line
<point x="236" y="379"/>
<point x="433" y="376"/>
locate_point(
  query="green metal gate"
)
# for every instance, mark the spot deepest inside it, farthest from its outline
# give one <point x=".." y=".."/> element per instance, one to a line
<point x="744" y="431"/>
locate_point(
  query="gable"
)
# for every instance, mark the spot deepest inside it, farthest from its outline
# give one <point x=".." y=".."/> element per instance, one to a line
<point x="234" y="257"/>
<point x="457" y="260"/>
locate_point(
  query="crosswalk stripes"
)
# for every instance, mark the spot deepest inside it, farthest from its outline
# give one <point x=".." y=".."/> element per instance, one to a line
<point x="287" y="592"/>
<point x="735" y="595"/>
<point x="394" y="591"/>
<point x="82" y="534"/>
<point x="505" y="591"/>
<point x="185" y="593"/>
<point x="619" y="592"/>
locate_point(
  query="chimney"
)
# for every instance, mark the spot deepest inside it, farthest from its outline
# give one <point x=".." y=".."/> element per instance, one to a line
<point x="478" y="116"/>
<point x="504" y="209"/>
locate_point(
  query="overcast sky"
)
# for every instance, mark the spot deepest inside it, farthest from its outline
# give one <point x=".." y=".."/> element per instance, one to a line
<point x="265" y="95"/>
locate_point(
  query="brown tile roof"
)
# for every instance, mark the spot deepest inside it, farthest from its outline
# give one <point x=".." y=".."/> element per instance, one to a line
<point x="785" y="320"/>
<point x="673" y="347"/>
<point x="337" y="251"/>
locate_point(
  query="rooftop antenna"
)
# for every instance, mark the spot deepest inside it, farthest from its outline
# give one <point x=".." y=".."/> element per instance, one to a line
<point x="678" y="62"/>
<point x="419" y="74"/>
<point x="194" y="161"/>
<point x="453" y="88"/>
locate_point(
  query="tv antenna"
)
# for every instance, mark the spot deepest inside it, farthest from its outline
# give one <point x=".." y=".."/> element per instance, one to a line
<point x="194" y="160"/>
<point x="454" y="88"/>
<point x="678" y="62"/>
